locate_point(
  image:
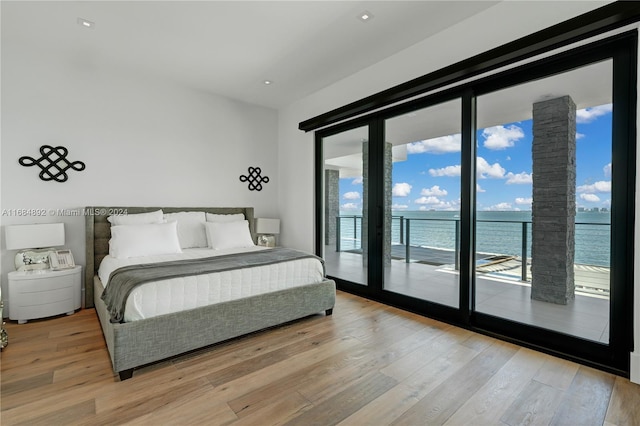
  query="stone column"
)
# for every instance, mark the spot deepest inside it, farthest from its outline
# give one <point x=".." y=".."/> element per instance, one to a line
<point x="331" y="204"/>
<point x="554" y="200"/>
<point x="388" y="170"/>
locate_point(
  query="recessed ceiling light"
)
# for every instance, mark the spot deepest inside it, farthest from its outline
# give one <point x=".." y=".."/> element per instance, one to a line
<point x="267" y="82"/>
<point x="85" y="23"/>
<point x="365" y="16"/>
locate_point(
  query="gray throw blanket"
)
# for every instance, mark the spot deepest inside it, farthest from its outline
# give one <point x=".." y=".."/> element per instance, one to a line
<point x="123" y="280"/>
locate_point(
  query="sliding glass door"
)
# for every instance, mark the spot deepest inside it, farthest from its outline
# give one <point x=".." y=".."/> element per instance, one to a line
<point x="344" y="186"/>
<point x="543" y="227"/>
<point x="505" y="205"/>
<point x="422" y="203"/>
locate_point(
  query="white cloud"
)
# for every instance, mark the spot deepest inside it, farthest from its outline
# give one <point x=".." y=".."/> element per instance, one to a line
<point x="593" y="198"/>
<point x="442" y="205"/>
<point x="479" y="189"/>
<point x="500" y="207"/>
<point x="441" y="145"/>
<point x="401" y="189"/>
<point x="519" y="179"/>
<point x="350" y="206"/>
<point x="353" y="195"/>
<point x="587" y="115"/>
<point x="600" y="186"/>
<point x="434" y="190"/>
<point x="446" y="171"/>
<point x="427" y="200"/>
<point x="485" y="170"/>
<point x="525" y="201"/>
<point x="579" y="135"/>
<point x="607" y="170"/>
<point x="500" y="137"/>
<point x="399" y="207"/>
<point x="357" y="181"/>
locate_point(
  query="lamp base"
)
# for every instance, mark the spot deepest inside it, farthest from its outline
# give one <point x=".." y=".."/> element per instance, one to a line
<point x="33" y="259"/>
<point x="266" y="240"/>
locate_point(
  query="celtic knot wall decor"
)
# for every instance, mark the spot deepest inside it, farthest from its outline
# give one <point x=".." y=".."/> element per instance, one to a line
<point x="254" y="178"/>
<point x="53" y="163"/>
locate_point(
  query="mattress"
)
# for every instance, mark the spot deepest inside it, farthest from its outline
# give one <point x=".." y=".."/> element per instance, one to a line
<point x="177" y="294"/>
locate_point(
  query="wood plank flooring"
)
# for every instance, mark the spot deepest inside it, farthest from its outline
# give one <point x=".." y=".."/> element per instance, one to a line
<point x="367" y="364"/>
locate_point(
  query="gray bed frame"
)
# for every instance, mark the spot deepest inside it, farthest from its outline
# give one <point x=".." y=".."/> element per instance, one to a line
<point x="138" y="343"/>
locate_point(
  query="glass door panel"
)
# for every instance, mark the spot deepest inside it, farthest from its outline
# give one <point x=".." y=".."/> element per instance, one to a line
<point x="345" y="186"/>
<point x="543" y="194"/>
<point x="422" y="203"/>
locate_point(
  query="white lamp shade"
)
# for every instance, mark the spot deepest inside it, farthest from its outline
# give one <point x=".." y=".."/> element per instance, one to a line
<point x="267" y="226"/>
<point x="18" y="237"/>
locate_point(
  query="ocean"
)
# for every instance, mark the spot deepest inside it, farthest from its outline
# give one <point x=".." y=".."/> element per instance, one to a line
<point x="497" y="232"/>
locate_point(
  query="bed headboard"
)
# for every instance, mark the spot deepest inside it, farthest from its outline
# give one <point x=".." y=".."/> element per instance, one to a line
<point x="98" y="233"/>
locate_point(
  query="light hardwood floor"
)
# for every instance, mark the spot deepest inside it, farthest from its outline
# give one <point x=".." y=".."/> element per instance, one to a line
<point x="367" y="364"/>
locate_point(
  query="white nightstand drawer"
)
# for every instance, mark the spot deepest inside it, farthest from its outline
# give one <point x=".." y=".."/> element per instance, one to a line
<point x="44" y="310"/>
<point x="39" y="294"/>
<point x="44" y="284"/>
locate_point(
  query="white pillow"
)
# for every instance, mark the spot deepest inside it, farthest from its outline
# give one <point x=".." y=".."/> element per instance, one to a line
<point x="191" y="232"/>
<point x="144" y="240"/>
<point x="235" y="217"/>
<point x="228" y="235"/>
<point x="136" y="219"/>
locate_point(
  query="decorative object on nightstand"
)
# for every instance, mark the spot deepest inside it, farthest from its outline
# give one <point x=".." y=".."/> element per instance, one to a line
<point x="47" y="282"/>
<point x="266" y="230"/>
<point x="4" y="337"/>
<point x="35" y="243"/>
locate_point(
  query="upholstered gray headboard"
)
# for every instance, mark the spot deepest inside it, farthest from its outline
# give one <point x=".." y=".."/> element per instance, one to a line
<point x="98" y="233"/>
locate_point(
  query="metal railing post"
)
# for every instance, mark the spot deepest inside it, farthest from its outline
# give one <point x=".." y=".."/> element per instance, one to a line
<point x="457" y="246"/>
<point x="401" y="229"/>
<point x="523" y="274"/>
<point x="355" y="228"/>
<point x="407" y="249"/>
<point x="338" y="236"/>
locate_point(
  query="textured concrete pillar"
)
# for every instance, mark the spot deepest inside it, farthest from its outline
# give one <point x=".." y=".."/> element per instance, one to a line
<point x="388" y="170"/>
<point x="331" y="204"/>
<point x="554" y="200"/>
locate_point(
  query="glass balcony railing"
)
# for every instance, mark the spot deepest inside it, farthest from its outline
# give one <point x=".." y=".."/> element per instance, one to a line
<point x="436" y="242"/>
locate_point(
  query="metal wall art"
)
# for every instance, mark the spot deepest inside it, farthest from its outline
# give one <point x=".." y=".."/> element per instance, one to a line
<point x="254" y="178"/>
<point x="53" y="163"/>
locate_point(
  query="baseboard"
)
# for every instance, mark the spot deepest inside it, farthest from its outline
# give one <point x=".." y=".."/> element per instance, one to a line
<point x="634" y="375"/>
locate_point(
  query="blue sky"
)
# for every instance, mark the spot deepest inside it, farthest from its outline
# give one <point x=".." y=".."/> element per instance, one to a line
<point x="430" y="177"/>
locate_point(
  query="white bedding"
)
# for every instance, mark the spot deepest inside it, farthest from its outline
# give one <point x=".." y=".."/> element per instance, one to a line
<point x="178" y="294"/>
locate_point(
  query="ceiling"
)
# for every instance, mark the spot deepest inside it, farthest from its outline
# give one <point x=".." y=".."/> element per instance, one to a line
<point x="231" y="47"/>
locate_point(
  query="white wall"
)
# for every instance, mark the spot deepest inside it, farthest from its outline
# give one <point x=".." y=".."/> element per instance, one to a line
<point x="145" y="142"/>
<point x="498" y="25"/>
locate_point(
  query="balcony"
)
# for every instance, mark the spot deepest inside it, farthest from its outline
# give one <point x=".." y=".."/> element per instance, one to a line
<point x="503" y="278"/>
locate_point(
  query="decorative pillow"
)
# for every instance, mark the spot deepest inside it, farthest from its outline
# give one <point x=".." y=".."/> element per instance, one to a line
<point x="235" y="217"/>
<point x="228" y="235"/>
<point x="144" y="240"/>
<point x="191" y="231"/>
<point x="136" y="219"/>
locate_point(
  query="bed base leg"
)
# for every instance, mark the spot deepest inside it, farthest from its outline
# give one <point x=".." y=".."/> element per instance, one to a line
<point x="125" y="374"/>
<point x="329" y="311"/>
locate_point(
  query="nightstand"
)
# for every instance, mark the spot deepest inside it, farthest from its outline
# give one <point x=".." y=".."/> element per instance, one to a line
<point x="44" y="293"/>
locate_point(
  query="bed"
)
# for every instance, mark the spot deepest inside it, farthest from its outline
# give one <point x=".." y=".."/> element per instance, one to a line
<point x="136" y="342"/>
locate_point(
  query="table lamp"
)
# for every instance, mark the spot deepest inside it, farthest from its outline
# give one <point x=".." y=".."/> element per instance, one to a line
<point x="35" y="242"/>
<point x="266" y="228"/>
